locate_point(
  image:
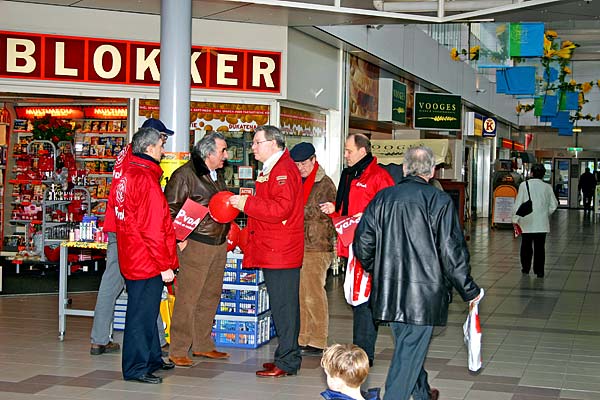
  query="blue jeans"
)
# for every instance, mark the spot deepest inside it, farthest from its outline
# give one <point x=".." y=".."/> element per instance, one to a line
<point x="406" y="375"/>
<point x="111" y="286"/>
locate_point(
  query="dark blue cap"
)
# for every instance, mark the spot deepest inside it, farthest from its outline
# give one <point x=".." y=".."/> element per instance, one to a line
<point x="302" y="151"/>
<point x="158" y="125"/>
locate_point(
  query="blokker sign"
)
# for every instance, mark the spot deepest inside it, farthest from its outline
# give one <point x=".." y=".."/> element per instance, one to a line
<point x="68" y="58"/>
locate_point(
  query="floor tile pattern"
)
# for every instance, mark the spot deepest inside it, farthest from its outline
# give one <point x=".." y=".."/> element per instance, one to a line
<point x="541" y="337"/>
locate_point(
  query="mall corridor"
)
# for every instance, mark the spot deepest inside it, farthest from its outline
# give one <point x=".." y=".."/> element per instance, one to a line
<point x="541" y="337"/>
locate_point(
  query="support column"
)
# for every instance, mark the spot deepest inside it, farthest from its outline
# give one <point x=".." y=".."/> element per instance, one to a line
<point x="175" y="53"/>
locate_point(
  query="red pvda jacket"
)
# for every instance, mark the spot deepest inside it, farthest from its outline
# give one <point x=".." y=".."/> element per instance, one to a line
<point x="276" y="218"/>
<point x="145" y="234"/>
<point x="362" y="190"/>
<point x="121" y="164"/>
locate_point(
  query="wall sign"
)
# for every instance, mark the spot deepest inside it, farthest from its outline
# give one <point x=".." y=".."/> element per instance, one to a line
<point x="392" y="101"/>
<point x="80" y="59"/>
<point x="436" y="111"/>
<point x="489" y="126"/>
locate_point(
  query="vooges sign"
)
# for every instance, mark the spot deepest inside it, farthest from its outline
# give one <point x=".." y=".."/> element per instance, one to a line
<point x="69" y="58"/>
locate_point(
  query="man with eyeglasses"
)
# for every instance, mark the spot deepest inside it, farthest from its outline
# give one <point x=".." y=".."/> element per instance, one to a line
<point x="276" y="242"/>
<point x="318" y="250"/>
<point x="112" y="282"/>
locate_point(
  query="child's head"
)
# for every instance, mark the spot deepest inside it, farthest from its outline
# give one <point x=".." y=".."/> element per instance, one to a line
<point x="345" y="365"/>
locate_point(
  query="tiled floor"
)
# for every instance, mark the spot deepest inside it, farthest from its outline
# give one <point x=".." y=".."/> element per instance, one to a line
<point x="541" y="338"/>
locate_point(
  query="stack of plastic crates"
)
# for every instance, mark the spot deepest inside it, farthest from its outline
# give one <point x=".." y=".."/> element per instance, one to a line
<point x="243" y="317"/>
<point x="120" y="311"/>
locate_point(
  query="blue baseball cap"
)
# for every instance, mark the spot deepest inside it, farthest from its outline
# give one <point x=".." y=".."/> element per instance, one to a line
<point x="302" y="151"/>
<point x="158" y="125"/>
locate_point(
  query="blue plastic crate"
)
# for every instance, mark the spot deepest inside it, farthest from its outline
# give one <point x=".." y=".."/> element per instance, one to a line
<point x="243" y="300"/>
<point x="120" y="312"/>
<point x="235" y="274"/>
<point x="242" y="331"/>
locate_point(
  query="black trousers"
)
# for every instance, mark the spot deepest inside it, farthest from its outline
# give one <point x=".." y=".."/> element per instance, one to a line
<point x="364" y="329"/>
<point x="283" y="286"/>
<point x="141" y="346"/>
<point x="533" y="244"/>
<point x="587" y="200"/>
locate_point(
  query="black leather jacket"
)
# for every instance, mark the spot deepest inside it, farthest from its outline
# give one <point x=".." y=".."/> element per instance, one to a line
<point x="410" y="240"/>
<point x="192" y="180"/>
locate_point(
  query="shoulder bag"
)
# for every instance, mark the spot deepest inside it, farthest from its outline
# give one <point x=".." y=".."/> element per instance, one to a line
<point x="527" y="207"/>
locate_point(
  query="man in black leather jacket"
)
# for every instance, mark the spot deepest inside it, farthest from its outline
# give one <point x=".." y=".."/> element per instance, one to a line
<point x="410" y="240"/>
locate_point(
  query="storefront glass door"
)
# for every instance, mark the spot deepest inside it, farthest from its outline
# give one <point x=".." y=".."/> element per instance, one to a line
<point x="562" y="167"/>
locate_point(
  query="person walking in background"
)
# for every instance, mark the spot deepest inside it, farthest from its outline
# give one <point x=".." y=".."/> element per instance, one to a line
<point x="147" y="254"/>
<point x="359" y="183"/>
<point x="202" y="256"/>
<point x="112" y="282"/>
<point x="318" y="250"/>
<point x="410" y="240"/>
<point x="276" y="242"/>
<point x="536" y="225"/>
<point x="587" y="187"/>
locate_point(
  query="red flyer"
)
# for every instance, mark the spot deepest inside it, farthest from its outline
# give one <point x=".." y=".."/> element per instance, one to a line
<point x="345" y="227"/>
<point x="188" y="218"/>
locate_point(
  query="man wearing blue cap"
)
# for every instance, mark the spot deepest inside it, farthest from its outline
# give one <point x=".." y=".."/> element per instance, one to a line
<point x="318" y="250"/>
<point x="112" y="282"/>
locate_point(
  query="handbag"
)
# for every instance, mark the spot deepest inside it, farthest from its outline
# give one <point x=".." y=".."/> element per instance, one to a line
<point x="527" y="207"/>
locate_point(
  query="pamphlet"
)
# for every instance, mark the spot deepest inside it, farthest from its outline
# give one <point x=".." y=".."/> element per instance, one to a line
<point x="188" y="218"/>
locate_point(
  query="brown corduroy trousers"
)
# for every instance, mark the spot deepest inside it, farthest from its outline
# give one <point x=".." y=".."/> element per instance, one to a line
<point x="314" y="313"/>
<point x="199" y="285"/>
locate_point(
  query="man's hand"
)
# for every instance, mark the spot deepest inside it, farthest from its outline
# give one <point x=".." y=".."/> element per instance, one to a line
<point x="327" y="208"/>
<point x="238" y="201"/>
<point x="167" y="276"/>
<point x="182" y="245"/>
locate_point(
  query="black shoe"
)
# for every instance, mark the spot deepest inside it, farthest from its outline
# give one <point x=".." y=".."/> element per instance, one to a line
<point x="110" y="347"/>
<point x="147" y="378"/>
<point x="311" y="351"/>
<point x="167" y="366"/>
<point x="540" y="275"/>
<point x="525" y="271"/>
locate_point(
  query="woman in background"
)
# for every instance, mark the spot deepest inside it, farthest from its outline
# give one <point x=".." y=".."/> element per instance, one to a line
<point x="536" y="225"/>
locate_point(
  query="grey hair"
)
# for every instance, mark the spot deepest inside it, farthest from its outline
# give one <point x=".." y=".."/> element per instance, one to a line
<point x="272" y="133"/>
<point x="418" y="161"/>
<point x="208" y="144"/>
<point x="143" y="138"/>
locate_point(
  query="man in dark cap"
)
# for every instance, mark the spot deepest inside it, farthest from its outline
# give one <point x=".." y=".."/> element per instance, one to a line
<point x="112" y="282"/>
<point x="318" y="250"/>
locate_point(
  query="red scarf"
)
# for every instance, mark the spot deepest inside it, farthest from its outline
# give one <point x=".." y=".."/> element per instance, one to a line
<point x="309" y="182"/>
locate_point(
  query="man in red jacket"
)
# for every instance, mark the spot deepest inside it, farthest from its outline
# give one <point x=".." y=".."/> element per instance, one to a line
<point x="147" y="254"/>
<point x="359" y="183"/>
<point x="276" y="242"/>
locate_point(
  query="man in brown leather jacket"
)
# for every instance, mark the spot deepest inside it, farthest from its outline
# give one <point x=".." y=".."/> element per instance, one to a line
<point x="318" y="250"/>
<point x="202" y="256"/>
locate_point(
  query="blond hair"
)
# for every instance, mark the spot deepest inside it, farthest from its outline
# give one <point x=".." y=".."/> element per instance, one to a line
<point x="348" y="362"/>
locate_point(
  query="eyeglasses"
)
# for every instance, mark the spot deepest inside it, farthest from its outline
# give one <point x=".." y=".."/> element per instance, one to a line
<point x="262" y="141"/>
<point x="164" y="137"/>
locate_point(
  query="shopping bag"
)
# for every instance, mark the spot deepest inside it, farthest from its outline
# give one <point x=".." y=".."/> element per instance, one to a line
<point x="473" y="334"/>
<point x="357" y="283"/>
<point x="166" y="311"/>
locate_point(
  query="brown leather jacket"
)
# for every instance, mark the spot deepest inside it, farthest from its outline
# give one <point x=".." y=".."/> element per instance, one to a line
<point x="318" y="228"/>
<point x="192" y="180"/>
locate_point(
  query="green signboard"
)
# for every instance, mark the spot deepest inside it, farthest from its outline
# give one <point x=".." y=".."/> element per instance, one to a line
<point x="437" y="111"/>
<point x="399" y="102"/>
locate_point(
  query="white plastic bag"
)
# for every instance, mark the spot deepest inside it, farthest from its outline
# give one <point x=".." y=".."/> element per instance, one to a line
<point x="473" y="334"/>
<point x="357" y="284"/>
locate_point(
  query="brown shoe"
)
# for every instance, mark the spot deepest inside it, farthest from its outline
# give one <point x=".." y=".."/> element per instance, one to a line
<point x="211" y="354"/>
<point x="274" y="373"/>
<point x="182" y="361"/>
<point x="434" y="394"/>
<point x="110" y="347"/>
